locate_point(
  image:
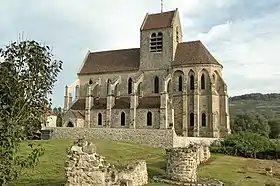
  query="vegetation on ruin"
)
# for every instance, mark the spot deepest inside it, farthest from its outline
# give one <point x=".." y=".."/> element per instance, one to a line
<point x="231" y="170"/>
<point x="27" y="77"/>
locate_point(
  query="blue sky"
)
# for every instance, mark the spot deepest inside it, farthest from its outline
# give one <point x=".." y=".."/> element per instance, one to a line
<point x="243" y="35"/>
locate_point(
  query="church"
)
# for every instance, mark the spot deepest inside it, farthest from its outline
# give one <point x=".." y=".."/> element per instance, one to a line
<point x="164" y="84"/>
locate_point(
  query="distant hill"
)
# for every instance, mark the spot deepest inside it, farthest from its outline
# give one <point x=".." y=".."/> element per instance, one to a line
<point x="266" y="104"/>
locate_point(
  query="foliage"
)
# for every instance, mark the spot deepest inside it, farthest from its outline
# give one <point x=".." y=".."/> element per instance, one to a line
<point x="27" y="77"/>
<point x="275" y="129"/>
<point x="256" y="96"/>
<point x="250" y="122"/>
<point x="58" y="112"/>
<point x="247" y="144"/>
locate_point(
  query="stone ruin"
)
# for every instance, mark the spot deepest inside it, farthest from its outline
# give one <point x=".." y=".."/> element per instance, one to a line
<point x="182" y="163"/>
<point x="84" y="167"/>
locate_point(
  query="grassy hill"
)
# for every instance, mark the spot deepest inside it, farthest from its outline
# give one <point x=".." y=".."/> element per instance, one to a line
<point x="233" y="171"/>
<point x="266" y="104"/>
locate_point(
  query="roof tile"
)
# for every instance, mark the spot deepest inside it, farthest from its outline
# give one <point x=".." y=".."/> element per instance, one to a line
<point x="159" y="20"/>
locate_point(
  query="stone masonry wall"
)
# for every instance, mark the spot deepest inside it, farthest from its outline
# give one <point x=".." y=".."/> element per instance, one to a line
<point x="151" y="137"/>
<point x="84" y="167"/>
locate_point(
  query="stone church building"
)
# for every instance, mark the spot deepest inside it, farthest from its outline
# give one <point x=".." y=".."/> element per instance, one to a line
<point x="166" y="83"/>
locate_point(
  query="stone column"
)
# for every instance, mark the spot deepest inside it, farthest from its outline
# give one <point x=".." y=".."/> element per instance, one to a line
<point x="196" y="111"/>
<point x="67" y="99"/>
<point x="89" y="104"/>
<point x="182" y="164"/>
<point x="163" y="111"/>
<point x="110" y="104"/>
<point x="185" y="114"/>
<point x="133" y="106"/>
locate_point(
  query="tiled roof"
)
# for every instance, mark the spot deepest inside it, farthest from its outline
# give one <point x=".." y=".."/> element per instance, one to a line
<point x="193" y="52"/>
<point x="159" y="20"/>
<point x="122" y="103"/>
<point x="100" y="103"/>
<point x="149" y="102"/>
<point x="79" y="104"/>
<point x="78" y="114"/>
<point x="111" y="61"/>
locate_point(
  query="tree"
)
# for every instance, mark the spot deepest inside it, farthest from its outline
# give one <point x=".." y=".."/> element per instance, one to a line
<point x="58" y="112"/>
<point x="250" y="122"/>
<point x="275" y="128"/>
<point x="27" y="77"/>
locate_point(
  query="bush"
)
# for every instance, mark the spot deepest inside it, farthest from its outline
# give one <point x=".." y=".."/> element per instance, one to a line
<point x="249" y="145"/>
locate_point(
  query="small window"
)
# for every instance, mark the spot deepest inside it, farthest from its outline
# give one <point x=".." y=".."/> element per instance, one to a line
<point x="191" y="119"/>
<point x="180" y="83"/>
<point x="149" y="119"/>
<point x="99" y="119"/>
<point x="123" y="119"/>
<point x="129" y="86"/>
<point x="177" y="35"/>
<point x="192" y="82"/>
<point x="202" y="81"/>
<point x="156" y="42"/>
<point x="203" y="120"/>
<point x="90" y="82"/>
<point x="156" y="85"/>
<point x="70" y="124"/>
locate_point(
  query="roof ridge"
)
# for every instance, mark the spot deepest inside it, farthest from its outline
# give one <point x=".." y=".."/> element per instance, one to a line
<point x="114" y="50"/>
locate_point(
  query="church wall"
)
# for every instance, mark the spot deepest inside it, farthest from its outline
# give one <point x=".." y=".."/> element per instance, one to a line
<point x="94" y="118"/>
<point x="178" y="114"/>
<point x="122" y="87"/>
<point x="141" y="119"/>
<point x="116" y="118"/>
<point x="69" y="117"/>
<point x="147" y="85"/>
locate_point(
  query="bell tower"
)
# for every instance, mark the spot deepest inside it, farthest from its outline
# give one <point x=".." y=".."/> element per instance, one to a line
<point x="159" y="35"/>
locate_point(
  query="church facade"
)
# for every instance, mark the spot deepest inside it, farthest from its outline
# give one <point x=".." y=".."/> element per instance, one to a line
<point x="166" y="83"/>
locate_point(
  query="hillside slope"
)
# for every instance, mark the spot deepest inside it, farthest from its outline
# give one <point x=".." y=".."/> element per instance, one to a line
<point x="266" y="104"/>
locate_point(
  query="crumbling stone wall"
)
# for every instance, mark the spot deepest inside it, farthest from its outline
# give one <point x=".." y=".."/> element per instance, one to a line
<point x="84" y="167"/>
<point x="182" y="162"/>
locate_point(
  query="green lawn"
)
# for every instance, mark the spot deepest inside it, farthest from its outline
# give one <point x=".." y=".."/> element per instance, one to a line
<point x="231" y="170"/>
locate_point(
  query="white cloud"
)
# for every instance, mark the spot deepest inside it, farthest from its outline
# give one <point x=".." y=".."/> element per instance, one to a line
<point x="246" y="42"/>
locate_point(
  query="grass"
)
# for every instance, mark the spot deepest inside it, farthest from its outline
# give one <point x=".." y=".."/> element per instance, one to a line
<point x="233" y="171"/>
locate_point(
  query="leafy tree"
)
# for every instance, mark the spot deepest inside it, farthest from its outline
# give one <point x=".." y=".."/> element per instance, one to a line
<point x="244" y="144"/>
<point x="275" y="128"/>
<point x="27" y="77"/>
<point x="250" y="122"/>
<point x="58" y="112"/>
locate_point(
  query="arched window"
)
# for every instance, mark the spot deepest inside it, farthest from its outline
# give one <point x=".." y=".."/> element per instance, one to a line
<point x="169" y="87"/>
<point x="180" y="84"/>
<point x="192" y="82"/>
<point x="202" y="81"/>
<point x="70" y="124"/>
<point x="156" y="85"/>
<point x="191" y="119"/>
<point x="90" y="82"/>
<point x="108" y="86"/>
<point x="123" y="119"/>
<point x="149" y="119"/>
<point x="156" y="42"/>
<point x="203" y="120"/>
<point x="129" y="86"/>
<point x="99" y="119"/>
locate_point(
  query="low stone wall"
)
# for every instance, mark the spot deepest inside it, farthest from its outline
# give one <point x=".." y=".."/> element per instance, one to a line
<point x="179" y="141"/>
<point x="85" y="167"/>
<point x="152" y="137"/>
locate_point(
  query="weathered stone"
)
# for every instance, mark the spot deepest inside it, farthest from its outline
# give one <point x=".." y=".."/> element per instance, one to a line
<point x="86" y="167"/>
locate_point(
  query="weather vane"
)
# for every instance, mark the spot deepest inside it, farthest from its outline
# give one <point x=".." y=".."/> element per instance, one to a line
<point x="161" y="6"/>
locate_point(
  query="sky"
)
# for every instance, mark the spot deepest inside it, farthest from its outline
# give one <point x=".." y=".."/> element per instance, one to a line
<point x="243" y="35"/>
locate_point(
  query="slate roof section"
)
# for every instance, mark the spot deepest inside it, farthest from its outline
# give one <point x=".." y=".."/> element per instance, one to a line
<point x="122" y="103"/>
<point x="100" y="103"/>
<point x="78" y="114"/>
<point x="149" y="102"/>
<point x="111" y="61"/>
<point x="158" y="20"/>
<point x="192" y="53"/>
<point x="80" y="104"/>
